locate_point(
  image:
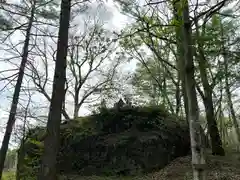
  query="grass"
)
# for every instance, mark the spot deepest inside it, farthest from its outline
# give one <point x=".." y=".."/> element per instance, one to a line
<point x="8" y="175"/>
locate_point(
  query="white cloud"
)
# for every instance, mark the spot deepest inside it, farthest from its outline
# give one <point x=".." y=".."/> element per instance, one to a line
<point x="109" y="14"/>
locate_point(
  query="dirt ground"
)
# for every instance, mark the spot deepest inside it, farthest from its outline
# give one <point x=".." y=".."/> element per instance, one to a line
<point x="218" y="168"/>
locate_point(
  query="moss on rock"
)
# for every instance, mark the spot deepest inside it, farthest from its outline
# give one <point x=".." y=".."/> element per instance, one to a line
<point x="114" y="142"/>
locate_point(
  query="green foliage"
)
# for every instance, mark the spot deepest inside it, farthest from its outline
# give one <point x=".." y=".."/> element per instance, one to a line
<point x="48" y="9"/>
<point x="10" y="159"/>
<point x="48" y="14"/>
<point x="8" y="175"/>
<point x="152" y="81"/>
<point x="215" y="34"/>
<point x="5" y="24"/>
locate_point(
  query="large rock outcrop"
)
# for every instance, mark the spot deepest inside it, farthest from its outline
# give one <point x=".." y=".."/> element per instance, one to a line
<point x="125" y="141"/>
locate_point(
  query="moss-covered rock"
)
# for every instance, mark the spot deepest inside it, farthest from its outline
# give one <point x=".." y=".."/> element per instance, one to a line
<point x="126" y="141"/>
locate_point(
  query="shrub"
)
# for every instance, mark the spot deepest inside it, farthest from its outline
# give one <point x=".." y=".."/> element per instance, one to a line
<point x="116" y="142"/>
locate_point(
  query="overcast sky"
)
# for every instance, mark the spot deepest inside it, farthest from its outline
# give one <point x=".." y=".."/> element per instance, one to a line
<point x="109" y="15"/>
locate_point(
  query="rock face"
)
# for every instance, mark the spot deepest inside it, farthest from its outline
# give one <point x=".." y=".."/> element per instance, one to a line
<point x="122" y="142"/>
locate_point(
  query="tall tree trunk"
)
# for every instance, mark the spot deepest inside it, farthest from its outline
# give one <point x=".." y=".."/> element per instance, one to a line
<point x="219" y="113"/>
<point x="20" y="159"/>
<point x="76" y="102"/>
<point x="197" y="147"/>
<point x="21" y="151"/>
<point x="222" y="126"/>
<point x="232" y="111"/>
<point x="178" y="96"/>
<point x="13" y="110"/>
<point x="229" y="99"/>
<point x="216" y="141"/>
<point x="51" y="142"/>
<point x="64" y="112"/>
<point x="76" y="110"/>
<point x="180" y="54"/>
<point x="227" y="86"/>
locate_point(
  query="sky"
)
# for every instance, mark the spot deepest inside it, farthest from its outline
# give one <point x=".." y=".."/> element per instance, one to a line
<point x="113" y="20"/>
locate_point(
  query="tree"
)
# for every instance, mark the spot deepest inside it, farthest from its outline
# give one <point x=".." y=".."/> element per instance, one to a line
<point x="197" y="148"/>
<point x="212" y="70"/>
<point x="216" y="142"/>
<point x="149" y="31"/>
<point x="19" y="13"/>
<point x="23" y="114"/>
<point x="10" y="159"/>
<point x="145" y="41"/>
<point x="51" y="141"/>
<point x="155" y="82"/>
<point x="227" y="84"/>
<point x="13" y="110"/>
<point x="41" y="76"/>
<point x="180" y="56"/>
<point x="90" y="68"/>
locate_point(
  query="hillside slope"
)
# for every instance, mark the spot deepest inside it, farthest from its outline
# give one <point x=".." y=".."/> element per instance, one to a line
<point x="218" y="168"/>
<point x="114" y="142"/>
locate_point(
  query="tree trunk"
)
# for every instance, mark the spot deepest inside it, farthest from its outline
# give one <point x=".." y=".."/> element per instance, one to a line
<point x="197" y="147"/>
<point x="222" y="126"/>
<point x="178" y="96"/>
<point x="76" y="103"/>
<point x="20" y="159"/>
<point x="64" y="112"/>
<point x="220" y="115"/>
<point x="76" y="110"/>
<point x="13" y="110"/>
<point x="227" y="88"/>
<point x="216" y="141"/>
<point x="229" y="100"/>
<point x="51" y="142"/>
<point x="21" y="151"/>
<point x="232" y="111"/>
<point x="180" y="56"/>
